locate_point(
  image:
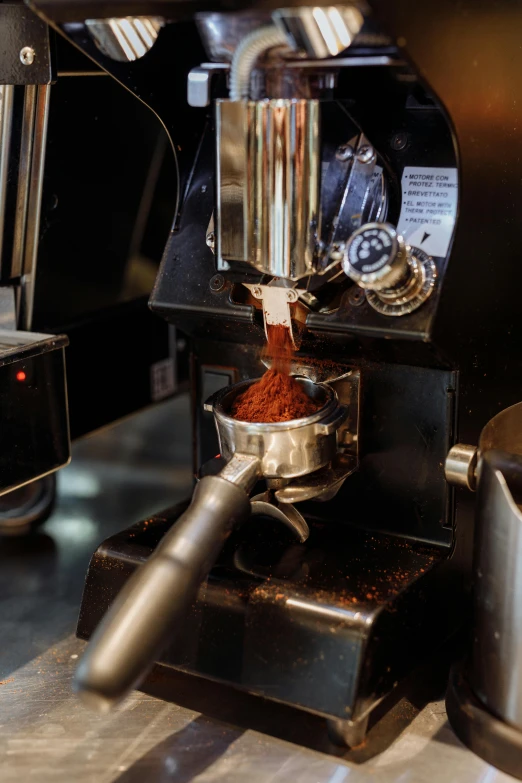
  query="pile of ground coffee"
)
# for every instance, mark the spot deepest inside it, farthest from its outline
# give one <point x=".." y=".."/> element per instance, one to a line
<point x="276" y="396"/>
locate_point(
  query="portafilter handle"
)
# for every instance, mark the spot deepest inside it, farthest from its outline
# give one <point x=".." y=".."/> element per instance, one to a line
<point x="150" y="610"/>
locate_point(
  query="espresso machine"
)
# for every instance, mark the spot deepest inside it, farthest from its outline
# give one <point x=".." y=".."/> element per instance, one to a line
<point x="350" y="173"/>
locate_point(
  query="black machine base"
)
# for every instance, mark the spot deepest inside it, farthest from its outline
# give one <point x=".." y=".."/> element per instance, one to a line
<point x="492" y="739"/>
<point x="330" y="626"/>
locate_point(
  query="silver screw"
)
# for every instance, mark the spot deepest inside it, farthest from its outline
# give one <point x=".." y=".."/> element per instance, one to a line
<point x="257" y="292"/>
<point x="217" y="283"/>
<point x="211" y="240"/>
<point x="365" y="154"/>
<point x="356" y="297"/>
<point x="344" y="152"/>
<point x="337" y="251"/>
<point x="291" y="295"/>
<point x="399" y="141"/>
<point x="27" y="55"/>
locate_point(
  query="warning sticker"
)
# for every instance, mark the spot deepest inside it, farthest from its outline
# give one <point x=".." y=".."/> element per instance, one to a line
<point x="429" y="208"/>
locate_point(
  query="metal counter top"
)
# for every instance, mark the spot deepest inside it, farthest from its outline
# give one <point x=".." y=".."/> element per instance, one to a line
<point x="205" y="732"/>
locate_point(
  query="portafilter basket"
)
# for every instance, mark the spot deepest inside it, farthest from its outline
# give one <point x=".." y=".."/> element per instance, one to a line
<point x="283" y="449"/>
<point x="150" y="610"/>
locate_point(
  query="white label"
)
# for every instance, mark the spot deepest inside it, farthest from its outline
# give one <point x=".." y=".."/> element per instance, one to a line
<point x="429" y="208"/>
<point x="162" y="380"/>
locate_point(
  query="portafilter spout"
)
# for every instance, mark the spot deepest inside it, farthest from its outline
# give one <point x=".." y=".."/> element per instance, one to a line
<point x="150" y="610"/>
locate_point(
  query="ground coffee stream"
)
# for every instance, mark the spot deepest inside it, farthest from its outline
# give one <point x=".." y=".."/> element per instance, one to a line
<point x="276" y="396"/>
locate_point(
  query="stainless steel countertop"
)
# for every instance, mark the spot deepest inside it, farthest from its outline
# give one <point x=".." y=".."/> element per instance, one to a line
<point x="206" y="733"/>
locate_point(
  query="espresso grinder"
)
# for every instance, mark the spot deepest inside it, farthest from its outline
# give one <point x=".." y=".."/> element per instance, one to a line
<point x="328" y="184"/>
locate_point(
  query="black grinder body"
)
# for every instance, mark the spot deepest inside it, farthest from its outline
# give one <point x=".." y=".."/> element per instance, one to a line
<point x="333" y="624"/>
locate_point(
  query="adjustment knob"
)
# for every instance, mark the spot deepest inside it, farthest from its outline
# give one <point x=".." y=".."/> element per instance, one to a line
<point x="376" y="257"/>
<point x="398" y="279"/>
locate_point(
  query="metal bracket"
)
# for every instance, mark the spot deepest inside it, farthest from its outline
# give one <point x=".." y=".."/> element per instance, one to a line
<point x="351" y="180"/>
<point x="25" y="54"/>
<point x="276" y="301"/>
<point x="322" y="485"/>
<point x="267" y="503"/>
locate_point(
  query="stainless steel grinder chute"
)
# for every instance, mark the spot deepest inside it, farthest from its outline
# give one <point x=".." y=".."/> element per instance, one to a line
<point x="151" y="608"/>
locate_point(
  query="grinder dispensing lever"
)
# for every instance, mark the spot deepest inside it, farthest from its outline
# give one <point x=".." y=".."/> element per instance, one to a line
<point x="397" y="278"/>
<point x="151" y="609"/>
<point x="276" y="300"/>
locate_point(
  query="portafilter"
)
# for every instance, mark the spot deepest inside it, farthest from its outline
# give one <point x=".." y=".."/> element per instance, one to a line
<point x="150" y="610"/>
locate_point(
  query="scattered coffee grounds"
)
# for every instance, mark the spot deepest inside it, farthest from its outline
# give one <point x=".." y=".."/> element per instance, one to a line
<point x="276" y="396"/>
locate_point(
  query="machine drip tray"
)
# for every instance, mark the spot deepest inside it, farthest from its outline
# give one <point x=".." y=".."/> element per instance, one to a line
<point x="330" y="626"/>
<point x="492" y="739"/>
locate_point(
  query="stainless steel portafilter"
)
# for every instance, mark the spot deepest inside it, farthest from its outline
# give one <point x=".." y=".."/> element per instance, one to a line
<point x="150" y="610"/>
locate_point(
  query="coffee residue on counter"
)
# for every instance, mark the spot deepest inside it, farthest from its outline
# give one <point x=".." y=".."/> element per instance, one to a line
<point x="276" y="396"/>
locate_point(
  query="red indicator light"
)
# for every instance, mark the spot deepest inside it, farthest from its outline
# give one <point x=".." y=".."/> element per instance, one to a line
<point x="20" y="375"/>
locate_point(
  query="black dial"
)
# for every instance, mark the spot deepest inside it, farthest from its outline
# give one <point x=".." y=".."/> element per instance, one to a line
<point x="375" y="256"/>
